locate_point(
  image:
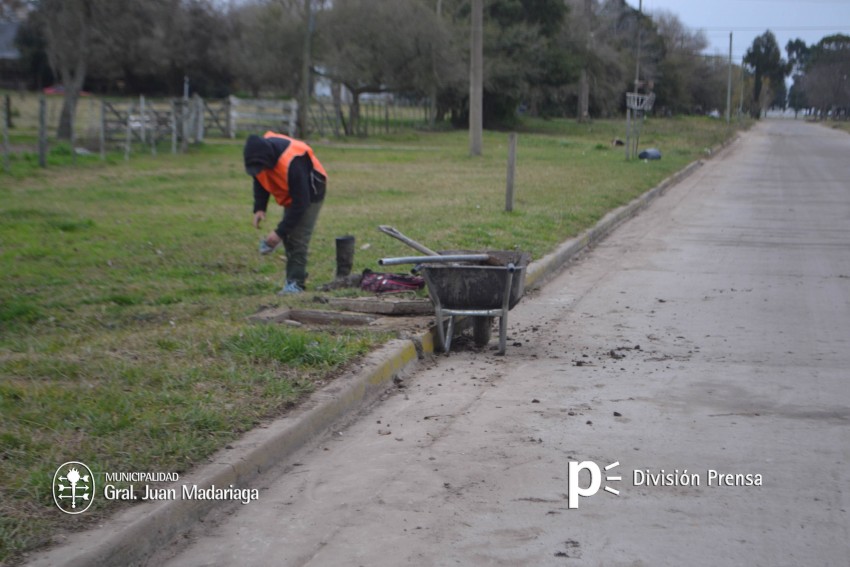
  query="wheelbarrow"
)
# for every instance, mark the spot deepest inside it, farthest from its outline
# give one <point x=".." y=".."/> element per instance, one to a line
<point x="477" y="285"/>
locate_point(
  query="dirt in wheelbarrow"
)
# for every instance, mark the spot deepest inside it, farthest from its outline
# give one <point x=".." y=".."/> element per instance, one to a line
<point x="496" y="257"/>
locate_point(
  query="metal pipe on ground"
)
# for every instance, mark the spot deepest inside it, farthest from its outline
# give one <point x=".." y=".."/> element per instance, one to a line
<point x="434" y="259"/>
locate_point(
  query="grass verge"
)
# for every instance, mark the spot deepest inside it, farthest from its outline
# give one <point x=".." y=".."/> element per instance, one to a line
<point x="123" y="340"/>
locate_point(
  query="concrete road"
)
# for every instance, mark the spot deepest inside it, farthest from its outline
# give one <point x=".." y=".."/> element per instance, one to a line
<point x="709" y="333"/>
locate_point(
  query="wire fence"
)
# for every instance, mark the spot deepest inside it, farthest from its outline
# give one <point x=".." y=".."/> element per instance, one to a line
<point x="371" y="117"/>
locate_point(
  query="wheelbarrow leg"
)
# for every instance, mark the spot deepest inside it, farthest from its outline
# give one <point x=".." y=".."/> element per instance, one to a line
<point x="506" y="302"/>
<point x="449" y="334"/>
<point x="441" y="335"/>
<point x="444" y="337"/>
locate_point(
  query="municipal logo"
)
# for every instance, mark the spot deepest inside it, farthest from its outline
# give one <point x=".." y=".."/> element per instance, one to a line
<point x="73" y="487"/>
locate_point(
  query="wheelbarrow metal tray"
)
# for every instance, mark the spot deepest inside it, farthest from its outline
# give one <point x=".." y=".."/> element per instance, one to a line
<point x="473" y="287"/>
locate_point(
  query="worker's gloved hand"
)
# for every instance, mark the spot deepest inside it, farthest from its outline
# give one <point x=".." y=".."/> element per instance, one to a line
<point x="265" y="248"/>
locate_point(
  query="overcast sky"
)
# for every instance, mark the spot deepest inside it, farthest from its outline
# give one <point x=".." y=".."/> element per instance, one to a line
<point x="809" y="20"/>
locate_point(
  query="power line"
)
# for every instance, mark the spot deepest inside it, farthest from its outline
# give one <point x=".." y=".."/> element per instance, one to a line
<point x="798" y="1"/>
<point x="771" y="28"/>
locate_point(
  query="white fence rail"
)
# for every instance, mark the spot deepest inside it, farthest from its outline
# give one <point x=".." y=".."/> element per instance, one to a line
<point x="257" y="115"/>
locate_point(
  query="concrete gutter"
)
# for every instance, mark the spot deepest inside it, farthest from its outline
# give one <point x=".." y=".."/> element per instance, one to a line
<point x="131" y="536"/>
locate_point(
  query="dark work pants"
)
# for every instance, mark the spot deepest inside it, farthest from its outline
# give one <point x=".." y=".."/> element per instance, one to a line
<point x="298" y="242"/>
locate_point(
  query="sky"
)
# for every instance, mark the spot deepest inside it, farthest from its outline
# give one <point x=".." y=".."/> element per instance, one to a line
<point x="809" y="20"/>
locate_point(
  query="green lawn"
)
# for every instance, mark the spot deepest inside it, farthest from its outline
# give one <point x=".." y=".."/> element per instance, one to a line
<point x="126" y="285"/>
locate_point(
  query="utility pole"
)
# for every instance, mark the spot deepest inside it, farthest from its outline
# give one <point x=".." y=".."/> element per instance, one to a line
<point x="584" y="82"/>
<point x="729" y="85"/>
<point x="304" y="103"/>
<point x="637" y="60"/>
<point x="432" y="114"/>
<point x="632" y="141"/>
<point x="476" y="79"/>
<point x="743" y="84"/>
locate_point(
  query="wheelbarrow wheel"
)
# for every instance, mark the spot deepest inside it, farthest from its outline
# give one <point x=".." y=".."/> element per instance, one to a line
<point x="481" y="328"/>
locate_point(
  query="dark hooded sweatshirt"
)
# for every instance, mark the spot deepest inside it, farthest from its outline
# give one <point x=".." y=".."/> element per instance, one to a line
<point x="265" y="152"/>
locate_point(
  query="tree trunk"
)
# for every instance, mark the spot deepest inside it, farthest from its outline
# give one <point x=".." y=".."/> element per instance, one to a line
<point x="339" y="117"/>
<point x="73" y="84"/>
<point x="583" y="97"/>
<point x="69" y="109"/>
<point x="354" y="113"/>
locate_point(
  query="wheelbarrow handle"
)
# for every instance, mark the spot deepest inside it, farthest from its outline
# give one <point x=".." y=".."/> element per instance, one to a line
<point x="409" y="241"/>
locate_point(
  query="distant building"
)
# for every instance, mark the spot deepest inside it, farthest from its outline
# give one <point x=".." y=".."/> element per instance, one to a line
<point x="10" y="72"/>
<point x="8" y="31"/>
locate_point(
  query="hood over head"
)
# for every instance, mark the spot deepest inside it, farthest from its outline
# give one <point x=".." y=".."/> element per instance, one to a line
<point x="259" y="155"/>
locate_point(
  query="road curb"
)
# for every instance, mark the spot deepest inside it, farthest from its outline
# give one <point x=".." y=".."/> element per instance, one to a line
<point x="131" y="537"/>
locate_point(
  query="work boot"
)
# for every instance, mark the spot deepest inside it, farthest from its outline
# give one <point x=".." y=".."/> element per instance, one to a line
<point x="344" y="256"/>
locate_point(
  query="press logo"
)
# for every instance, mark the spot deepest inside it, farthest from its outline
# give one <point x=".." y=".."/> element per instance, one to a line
<point x="73" y="487"/>
<point x="575" y="489"/>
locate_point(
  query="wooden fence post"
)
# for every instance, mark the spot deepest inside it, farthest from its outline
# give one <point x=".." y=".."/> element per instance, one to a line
<point x="73" y="124"/>
<point x="102" y="131"/>
<point x="128" y="138"/>
<point x="199" y="118"/>
<point x="154" y="126"/>
<point x="6" y="113"/>
<point x="293" y="120"/>
<point x="173" y="126"/>
<point x="154" y="136"/>
<point x="42" y="132"/>
<point x="184" y="122"/>
<point x="8" y="105"/>
<point x="509" y="191"/>
<point x="229" y="132"/>
<point x="143" y="119"/>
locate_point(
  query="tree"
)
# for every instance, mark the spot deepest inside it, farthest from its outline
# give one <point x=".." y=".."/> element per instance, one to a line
<point x="266" y="47"/>
<point x="529" y="58"/>
<point x="377" y="46"/>
<point x="765" y="60"/>
<point x="615" y="55"/>
<point x="12" y="9"/>
<point x="131" y="53"/>
<point x="797" y="99"/>
<point x="32" y="45"/>
<point x="827" y="75"/>
<point x="798" y="55"/>
<point x="524" y="57"/>
<point x="681" y="68"/>
<point x="197" y="49"/>
<point x="70" y="29"/>
<point x="798" y="59"/>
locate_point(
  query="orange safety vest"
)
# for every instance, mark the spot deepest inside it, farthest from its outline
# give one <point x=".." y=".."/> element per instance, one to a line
<point x="276" y="181"/>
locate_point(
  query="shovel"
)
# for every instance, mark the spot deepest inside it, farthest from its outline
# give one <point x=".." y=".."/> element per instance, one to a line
<point x="409" y="241"/>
